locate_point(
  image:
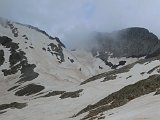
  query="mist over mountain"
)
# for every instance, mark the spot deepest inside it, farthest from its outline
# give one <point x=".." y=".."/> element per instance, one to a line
<point x="130" y="42"/>
<point x="116" y="77"/>
<point x="79" y="60"/>
<point x="67" y="18"/>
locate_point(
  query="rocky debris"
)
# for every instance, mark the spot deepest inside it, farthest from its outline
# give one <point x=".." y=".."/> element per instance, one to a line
<point x="58" y="51"/>
<point x="122" y="97"/>
<point x="2" y="59"/>
<point x="13" y="105"/>
<point x="29" y="90"/>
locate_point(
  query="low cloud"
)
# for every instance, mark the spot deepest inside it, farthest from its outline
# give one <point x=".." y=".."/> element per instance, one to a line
<point x="74" y="20"/>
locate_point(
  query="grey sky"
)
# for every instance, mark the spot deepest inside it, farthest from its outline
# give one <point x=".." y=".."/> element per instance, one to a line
<point x="71" y="19"/>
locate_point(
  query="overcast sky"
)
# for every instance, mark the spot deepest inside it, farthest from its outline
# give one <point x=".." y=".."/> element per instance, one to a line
<point x="71" y="19"/>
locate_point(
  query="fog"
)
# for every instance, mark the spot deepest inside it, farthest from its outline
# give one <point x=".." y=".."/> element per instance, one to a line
<point x="74" y="21"/>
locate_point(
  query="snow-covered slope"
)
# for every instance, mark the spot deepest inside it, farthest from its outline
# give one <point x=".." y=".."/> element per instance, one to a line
<point x="40" y="79"/>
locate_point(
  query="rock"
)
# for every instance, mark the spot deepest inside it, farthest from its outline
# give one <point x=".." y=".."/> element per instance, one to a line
<point x="29" y="90"/>
<point x="2" y="59"/>
<point x="130" y="42"/>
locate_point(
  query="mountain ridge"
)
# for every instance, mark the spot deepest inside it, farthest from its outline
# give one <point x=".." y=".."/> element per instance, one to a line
<point x="41" y="79"/>
<point x="129" y="42"/>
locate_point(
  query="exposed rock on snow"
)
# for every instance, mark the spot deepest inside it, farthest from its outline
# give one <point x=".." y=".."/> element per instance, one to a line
<point x="41" y="79"/>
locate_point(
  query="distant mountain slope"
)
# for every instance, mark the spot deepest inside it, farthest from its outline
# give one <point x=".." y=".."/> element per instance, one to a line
<point x="40" y="79"/>
<point x="131" y="42"/>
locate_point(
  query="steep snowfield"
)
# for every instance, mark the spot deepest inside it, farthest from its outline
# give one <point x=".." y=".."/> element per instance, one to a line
<point x="145" y="107"/>
<point x="41" y="80"/>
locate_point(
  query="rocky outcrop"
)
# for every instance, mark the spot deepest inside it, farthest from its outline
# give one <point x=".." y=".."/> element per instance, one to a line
<point x="130" y="42"/>
<point x="2" y="59"/>
<point x="18" y="61"/>
<point x="12" y="106"/>
<point x="58" y="51"/>
<point x="29" y="90"/>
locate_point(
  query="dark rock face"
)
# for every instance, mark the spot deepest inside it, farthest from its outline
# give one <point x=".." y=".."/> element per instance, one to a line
<point x="64" y="94"/>
<point x="2" y="59"/>
<point x="58" y="40"/>
<point x="71" y="94"/>
<point x="28" y="73"/>
<point x="58" y="51"/>
<point x="13" y="106"/>
<point x="29" y="90"/>
<point x="130" y="42"/>
<point x="15" y="57"/>
<point x="7" y="42"/>
<point x="18" y="61"/>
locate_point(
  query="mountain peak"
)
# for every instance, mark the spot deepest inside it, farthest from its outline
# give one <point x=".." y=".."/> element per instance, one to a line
<point x="38" y="74"/>
<point x="130" y="42"/>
